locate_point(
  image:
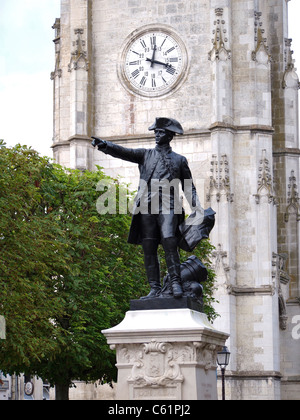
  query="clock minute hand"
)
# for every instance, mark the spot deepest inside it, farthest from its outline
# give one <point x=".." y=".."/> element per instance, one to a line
<point x="153" y="56"/>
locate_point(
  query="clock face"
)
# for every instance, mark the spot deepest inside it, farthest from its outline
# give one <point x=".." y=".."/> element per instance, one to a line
<point x="154" y="63"/>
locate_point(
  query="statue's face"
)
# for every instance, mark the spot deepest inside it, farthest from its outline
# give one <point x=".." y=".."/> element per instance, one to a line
<point x="163" y="136"/>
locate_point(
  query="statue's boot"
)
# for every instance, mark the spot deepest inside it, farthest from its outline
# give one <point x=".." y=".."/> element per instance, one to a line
<point x="173" y="264"/>
<point x="152" y="268"/>
<point x="153" y="275"/>
<point x="174" y="274"/>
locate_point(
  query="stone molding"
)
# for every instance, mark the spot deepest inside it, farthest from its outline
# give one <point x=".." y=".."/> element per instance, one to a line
<point x="286" y="152"/>
<point x="254" y="375"/>
<point x="251" y="291"/>
<point x="256" y="128"/>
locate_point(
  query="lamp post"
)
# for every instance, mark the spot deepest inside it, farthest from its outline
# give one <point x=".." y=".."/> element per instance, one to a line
<point x="223" y="361"/>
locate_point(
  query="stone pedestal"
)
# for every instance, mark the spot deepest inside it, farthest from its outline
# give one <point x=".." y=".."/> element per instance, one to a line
<point x="166" y="354"/>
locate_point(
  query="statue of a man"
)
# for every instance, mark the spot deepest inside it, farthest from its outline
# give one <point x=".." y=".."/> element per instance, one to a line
<point x="158" y="224"/>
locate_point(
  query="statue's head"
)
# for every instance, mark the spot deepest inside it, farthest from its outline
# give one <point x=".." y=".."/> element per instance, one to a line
<point x="165" y="129"/>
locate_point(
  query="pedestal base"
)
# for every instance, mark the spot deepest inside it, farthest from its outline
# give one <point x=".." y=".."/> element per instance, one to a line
<point x="166" y="303"/>
<point x="166" y="354"/>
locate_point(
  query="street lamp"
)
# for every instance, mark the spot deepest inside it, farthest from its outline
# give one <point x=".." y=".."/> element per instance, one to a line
<point x="223" y="361"/>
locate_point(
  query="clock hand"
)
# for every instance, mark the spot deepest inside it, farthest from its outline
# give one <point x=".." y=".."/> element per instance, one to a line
<point x="159" y="62"/>
<point x="153" y="56"/>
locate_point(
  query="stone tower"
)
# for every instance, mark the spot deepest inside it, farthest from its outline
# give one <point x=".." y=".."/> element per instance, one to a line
<point x="225" y="70"/>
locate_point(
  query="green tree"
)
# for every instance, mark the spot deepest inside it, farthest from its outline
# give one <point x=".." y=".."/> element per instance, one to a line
<point x="31" y="259"/>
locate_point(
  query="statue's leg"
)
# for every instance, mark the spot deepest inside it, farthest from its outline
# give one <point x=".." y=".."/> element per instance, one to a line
<point x="152" y="267"/>
<point x="150" y="242"/>
<point x="170" y="246"/>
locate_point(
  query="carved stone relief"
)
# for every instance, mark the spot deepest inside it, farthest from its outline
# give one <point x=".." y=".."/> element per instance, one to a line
<point x="281" y="279"/>
<point x="79" y="56"/>
<point x="158" y="365"/>
<point x="57" y="70"/>
<point x="155" y="365"/>
<point x="219" y="180"/>
<point x="293" y="198"/>
<point x="265" y="182"/>
<point x="219" y="261"/>
<point x="290" y="77"/>
<point x="261" y="53"/>
<point x="219" y="51"/>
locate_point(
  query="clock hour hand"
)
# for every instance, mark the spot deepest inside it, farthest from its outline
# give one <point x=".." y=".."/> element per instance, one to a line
<point x="158" y="62"/>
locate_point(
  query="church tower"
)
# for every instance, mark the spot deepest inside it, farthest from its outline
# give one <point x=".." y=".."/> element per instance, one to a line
<point x="225" y="70"/>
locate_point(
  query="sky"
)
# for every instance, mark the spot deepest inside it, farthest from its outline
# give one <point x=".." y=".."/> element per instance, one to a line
<point x="27" y="59"/>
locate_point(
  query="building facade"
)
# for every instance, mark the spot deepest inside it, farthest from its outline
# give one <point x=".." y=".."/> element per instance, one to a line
<point x="225" y="70"/>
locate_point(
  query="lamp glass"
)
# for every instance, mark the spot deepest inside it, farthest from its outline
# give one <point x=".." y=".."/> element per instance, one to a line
<point x="223" y="357"/>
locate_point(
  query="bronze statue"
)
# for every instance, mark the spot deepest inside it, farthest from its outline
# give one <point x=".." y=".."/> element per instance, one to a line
<point x="162" y="223"/>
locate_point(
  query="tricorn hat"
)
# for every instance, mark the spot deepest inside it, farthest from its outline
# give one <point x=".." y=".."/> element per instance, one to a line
<point x="168" y="124"/>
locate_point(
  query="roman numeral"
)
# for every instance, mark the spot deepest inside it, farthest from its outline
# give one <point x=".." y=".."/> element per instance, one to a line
<point x="170" y="50"/>
<point x="163" y="42"/>
<point x="135" y="73"/>
<point x="143" y="81"/>
<point x="153" y="41"/>
<point x="171" y="70"/>
<point x="143" y="43"/>
<point x="134" y="63"/>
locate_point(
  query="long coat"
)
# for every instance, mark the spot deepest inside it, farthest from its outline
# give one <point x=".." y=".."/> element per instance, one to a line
<point x="147" y="160"/>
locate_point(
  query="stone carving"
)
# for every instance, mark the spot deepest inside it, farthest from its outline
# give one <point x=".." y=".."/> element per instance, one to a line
<point x="219" y="51"/>
<point x="261" y="53"/>
<point x="219" y="260"/>
<point x="265" y="182"/>
<point x="281" y="278"/>
<point x="290" y="77"/>
<point x="219" y="180"/>
<point x="155" y="366"/>
<point x="57" y="70"/>
<point x="206" y="355"/>
<point x="79" y="56"/>
<point x="293" y="198"/>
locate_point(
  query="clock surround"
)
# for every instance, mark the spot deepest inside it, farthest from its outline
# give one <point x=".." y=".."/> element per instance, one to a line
<point x="153" y="61"/>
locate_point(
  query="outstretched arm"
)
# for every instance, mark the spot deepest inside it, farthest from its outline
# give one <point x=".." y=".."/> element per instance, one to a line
<point x="112" y="149"/>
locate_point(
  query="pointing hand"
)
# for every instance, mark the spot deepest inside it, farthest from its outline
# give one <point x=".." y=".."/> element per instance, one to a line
<point x="101" y="144"/>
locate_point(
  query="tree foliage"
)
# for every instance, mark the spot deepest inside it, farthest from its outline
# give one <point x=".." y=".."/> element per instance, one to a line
<point x="31" y="259"/>
<point x="66" y="272"/>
